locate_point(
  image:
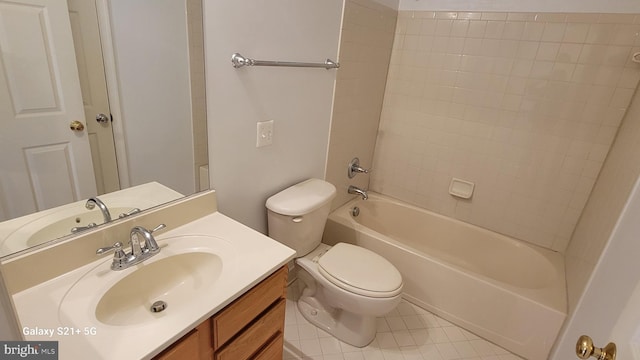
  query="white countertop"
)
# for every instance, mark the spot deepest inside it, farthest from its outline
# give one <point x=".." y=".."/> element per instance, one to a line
<point x="252" y="258"/>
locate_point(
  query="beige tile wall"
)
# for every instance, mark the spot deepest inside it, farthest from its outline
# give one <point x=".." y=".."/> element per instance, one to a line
<point x="365" y="48"/>
<point x="524" y="105"/>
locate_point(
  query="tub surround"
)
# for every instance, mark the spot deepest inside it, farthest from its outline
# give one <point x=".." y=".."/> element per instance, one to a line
<point x="37" y="300"/>
<point x="582" y="6"/>
<point x="525" y="105"/>
<point x="522" y="99"/>
<point x="368" y="28"/>
<point x="507" y="291"/>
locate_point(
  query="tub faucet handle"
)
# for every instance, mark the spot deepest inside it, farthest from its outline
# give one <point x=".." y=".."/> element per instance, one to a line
<point x="354" y="168"/>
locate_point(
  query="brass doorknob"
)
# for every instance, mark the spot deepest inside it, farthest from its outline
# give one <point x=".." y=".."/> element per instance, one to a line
<point x="76" y="126"/>
<point x="585" y="349"/>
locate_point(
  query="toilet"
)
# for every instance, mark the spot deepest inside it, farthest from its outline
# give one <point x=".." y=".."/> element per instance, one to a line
<point x="345" y="287"/>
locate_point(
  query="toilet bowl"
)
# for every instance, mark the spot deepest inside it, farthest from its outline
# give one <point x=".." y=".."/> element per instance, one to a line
<point x="346" y="303"/>
<point x="344" y="287"/>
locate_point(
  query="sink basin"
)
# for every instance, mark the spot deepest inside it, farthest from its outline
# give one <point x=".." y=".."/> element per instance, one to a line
<point x="187" y="270"/>
<point x="175" y="280"/>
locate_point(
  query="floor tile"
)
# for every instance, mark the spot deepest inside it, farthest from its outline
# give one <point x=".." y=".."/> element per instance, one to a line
<point x="407" y="333"/>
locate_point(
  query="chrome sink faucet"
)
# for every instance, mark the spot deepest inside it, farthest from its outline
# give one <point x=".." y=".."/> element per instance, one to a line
<point x="138" y="253"/>
<point x="91" y="204"/>
<point x="357" y="191"/>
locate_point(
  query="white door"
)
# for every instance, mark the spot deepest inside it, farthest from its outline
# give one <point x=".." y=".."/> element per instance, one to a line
<point x="44" y="163"/>
<point x="86" y="38"/>
<point x="609" y="311"/>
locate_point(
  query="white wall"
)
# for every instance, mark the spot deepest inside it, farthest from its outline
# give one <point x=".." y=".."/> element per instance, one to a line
<point x="604" y="6"/>
<point x="150" y="38"/>
<point x="601" y="310"/>
<point x="298" y="99"/>
<point x="606" y="202"/>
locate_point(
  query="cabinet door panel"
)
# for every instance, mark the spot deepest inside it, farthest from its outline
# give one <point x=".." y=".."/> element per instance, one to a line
<point x="242" y="311"/>
<point x="273" y="351"/>
<point x="185" y="348"/>
<point x="252" y="339"/>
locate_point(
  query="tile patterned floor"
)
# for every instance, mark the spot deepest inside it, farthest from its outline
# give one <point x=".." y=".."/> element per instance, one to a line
<point x="407" y="333"/>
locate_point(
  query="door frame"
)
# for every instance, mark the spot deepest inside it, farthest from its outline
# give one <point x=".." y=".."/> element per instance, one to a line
<point x="110" y="71"/>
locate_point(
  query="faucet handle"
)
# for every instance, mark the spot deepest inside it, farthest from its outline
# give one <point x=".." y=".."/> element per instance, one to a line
<point x="83" y="228"/>
<point x="103" y="250"/>
<point x="119" y="257"/>
<point x="119" y="253"/>
<point x="354" y="168"/>
<point x="159" y="227"/>
<point x="129" y="213"/>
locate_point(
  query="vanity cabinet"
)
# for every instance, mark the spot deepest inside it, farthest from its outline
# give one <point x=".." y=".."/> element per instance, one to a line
<point x="251" y="327"/>
<point x="194" y="345"/>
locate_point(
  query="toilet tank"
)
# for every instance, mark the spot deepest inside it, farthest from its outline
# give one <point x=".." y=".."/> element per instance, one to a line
<point x="297" y="215"/>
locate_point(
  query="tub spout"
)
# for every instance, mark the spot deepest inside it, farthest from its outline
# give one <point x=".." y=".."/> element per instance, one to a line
<point x="357" y="191"/>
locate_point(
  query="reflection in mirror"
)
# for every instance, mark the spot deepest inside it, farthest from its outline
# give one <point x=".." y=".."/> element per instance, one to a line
<point x="40" y="227"/>
<point x="132" y="74"/>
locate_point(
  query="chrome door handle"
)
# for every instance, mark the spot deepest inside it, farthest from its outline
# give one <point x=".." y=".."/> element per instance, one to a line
<point x="102" y="119"/>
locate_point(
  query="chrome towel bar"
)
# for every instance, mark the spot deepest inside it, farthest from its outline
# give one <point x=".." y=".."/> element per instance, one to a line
<point x="239" y="61"/>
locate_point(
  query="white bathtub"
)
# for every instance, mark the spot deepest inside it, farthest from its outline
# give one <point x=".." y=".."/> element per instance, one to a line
<point x="499" y="288"/>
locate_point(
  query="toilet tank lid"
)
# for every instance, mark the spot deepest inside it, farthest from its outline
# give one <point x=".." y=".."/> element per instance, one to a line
<point x="302" y="198"/>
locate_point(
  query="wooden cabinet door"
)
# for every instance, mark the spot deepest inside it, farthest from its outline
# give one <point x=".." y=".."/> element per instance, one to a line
<point x="186" y="348"/>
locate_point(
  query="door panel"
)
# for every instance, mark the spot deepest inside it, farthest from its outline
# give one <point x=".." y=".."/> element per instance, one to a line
<point x="29" y="66"/>
<point x="86" y="38"/>
<point x="51" y="174"/>
<point x="39" y="97"/>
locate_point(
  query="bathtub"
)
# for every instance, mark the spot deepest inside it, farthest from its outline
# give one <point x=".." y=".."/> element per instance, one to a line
<point x="504" y="290"/>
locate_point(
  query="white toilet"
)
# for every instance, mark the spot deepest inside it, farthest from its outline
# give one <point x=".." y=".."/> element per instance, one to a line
<point x="345" y="286"/>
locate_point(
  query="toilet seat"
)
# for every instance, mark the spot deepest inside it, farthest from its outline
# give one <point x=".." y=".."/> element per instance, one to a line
<point x="360" y="271"/>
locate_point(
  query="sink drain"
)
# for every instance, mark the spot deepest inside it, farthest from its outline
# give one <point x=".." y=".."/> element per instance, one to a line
<point x="158" y="306"/>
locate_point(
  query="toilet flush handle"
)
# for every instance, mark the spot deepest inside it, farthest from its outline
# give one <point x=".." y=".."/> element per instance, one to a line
<point x="297" y="219"/>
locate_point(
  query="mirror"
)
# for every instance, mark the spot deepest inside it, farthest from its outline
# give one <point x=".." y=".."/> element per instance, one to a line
<point x="86" y="83"/>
